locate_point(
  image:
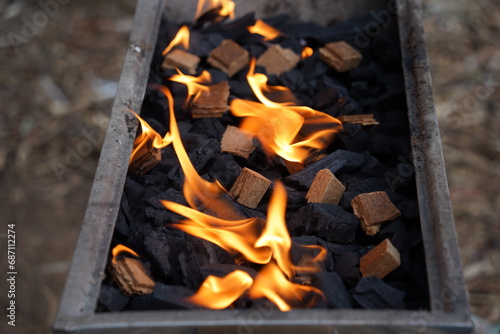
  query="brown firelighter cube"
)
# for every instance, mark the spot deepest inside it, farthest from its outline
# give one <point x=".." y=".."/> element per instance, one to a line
<point x="145" y="162"/>
<point x="131" y="277"/>
<point x="373" y="209"/>
<point x="341" y="56"/>
<point x="326" y="188"/>
<point x="380" y="261"/>
<point x="211" y="103"/>
<point x="237" y="142"/>
<point x="364" y="119"/>
<point x="181" y="59"/>
<point x="293" y="166"/>
<point x="229" y="57"/>
<point x="277" y="60"/>
<point x="249" y="188"/>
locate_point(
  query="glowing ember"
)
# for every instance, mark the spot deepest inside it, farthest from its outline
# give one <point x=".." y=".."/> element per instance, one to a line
<point x="182" y="38"/>
<point x="307" y="52"/>
<point x="226" y="7"/>
<point x="147" y="139"/>
<point x="279" y="126"/>
<point x="195" y="85"/>
<point x="264" y="29"/>
<point x="119" y="249"/>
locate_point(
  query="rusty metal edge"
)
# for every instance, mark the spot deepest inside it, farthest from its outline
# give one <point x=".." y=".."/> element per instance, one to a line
<point x="87" y="269"/>
<point x="269" y="321"/>
<point x="444" y="270"/>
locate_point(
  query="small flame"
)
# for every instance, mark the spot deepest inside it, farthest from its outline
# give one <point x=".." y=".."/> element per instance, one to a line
<point x="264" y="29"/>
<point x="307" y="52"/>
<point x="272" y="284"/>
<point x="181" y="38"/>
<point x="275" y="234"/>
<point x="148" y="138"/>
<point x="278" y="125"/>
<point x="220" y="292"/>
<point x="195" y="85"/>
<point x="226" y="7"/>
<point x="119" y="249"/>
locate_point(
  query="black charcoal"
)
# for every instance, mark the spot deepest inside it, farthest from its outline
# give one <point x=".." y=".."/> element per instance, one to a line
<point x="198" y="157"/>
<point x="171" y="195"/>
<point x="231" y="30"/>
<point x="333" y="288"/>
<point x="203" y="44"/>
<point x="327" y="221"/>
<point x="209" y="126"/>
<point x="373" y="293"/>
<point x="347" y="267"/>
<point x="157" y="246"/>
<point x="134" y="192"/>
<point x="223" y="168"/>
<point x="112" y="299"/>
<point x="163" y="297"/>
<point x="337" y="162"/>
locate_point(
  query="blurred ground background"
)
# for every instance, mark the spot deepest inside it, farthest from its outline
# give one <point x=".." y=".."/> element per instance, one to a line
<point x="57" y="82"/>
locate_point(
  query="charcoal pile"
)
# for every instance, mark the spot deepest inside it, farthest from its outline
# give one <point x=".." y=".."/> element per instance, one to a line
<point x="353" y="198"/>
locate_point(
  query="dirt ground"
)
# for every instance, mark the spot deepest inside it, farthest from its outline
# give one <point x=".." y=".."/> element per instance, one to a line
<point x="59" y="68"/>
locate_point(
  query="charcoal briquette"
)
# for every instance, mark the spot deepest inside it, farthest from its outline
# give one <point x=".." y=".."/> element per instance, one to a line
<point x="203" y="44"/>
<point x="347" y="267"/>
<point x="327" y="221"/>
<point x="121" y="225"/>
<point x="223" y="168"/>
<point x="198" y="157"/>
<point x="163" y="297"/>
<point x="162" y="216"/>
<point x="397" y="233"/>
<point x="353" y="137"/>
<point x="333" y="289"/>
<point x="233" y="29"/>
<point x="373" y="293"/>
<point x="171" y="195"/>
<point x="134" y="192"/>
<point x="111" y="299"/>
<point x="337" y="162"/>
<point x="210" y="127"/>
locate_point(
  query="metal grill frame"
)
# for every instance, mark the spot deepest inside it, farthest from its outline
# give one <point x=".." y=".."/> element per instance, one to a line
<point x="449" y="311"/>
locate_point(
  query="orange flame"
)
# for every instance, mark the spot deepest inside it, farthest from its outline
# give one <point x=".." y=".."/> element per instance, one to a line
<point x="262" y="242"/>
<point x="279" y="125"/>
<point x="272" y="284"/>
<point x="197" y="191"/>
<point x="271" y="248"/>
<point x="307" y="52"/>
<point x="195" y="85"/>
<point x="264" y="29"/>
<point x="220" y="292"/>
<point x="226" y="7"/>
<point x="181" y="38"/>
<point x="119" y="249"/>
<point x="147" y="138"/>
